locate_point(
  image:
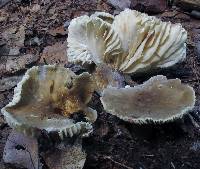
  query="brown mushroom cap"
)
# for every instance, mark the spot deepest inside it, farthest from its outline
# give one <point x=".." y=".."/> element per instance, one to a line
<point x="46" y="97"/>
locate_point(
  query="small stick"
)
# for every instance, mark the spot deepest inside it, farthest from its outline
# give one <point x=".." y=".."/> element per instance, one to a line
<point x="118" y="163"/>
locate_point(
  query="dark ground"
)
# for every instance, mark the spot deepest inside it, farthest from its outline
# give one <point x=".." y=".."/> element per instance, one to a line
<point x="33" y="34"/>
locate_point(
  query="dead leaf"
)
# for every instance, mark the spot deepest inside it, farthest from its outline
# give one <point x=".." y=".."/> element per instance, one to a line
<point x="14" y="64"/>
<point x="8" y="83"/>
<point x="35" y="8"/>
<point x="21" y="151"/>
<point x="3" y="15"/>
<point x="55" y="54"/>
<point x="15" y="39"/>
<point x="57" y="31"/>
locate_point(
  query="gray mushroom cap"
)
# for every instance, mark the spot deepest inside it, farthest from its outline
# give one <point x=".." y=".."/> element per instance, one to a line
<point x="158" y="100"/>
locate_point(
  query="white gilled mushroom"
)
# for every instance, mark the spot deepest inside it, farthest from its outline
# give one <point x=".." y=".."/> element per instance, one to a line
<point x="158" y="99"/>
<point x="91" y="39"/>
<point x="131" y="42"/>
<point x="45" y="99"/>
<point x="148" y="42"/>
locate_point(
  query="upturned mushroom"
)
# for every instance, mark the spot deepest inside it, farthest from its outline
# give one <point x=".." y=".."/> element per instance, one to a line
<point x="130" y="42"/>
<point x="46" y="98"/>
<point x="92" y="40"/>
<point x="157" y="100"/>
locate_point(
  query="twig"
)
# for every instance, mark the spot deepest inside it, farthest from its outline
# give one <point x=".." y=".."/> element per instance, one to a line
<point x="116" y="162"/>
<point x="9" y="55"/>
<point x="172" y="164"/>
<point x="148" y="155"/>
<point x="193" y="121"/>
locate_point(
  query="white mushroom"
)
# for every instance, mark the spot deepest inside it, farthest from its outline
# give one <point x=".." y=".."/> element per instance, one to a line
<point x="148" y="42"/>
<point x="45" y="99"/>
<point x="92" y="40"/>
<point x="130" y="42"/>
<point x="158" y="99"/>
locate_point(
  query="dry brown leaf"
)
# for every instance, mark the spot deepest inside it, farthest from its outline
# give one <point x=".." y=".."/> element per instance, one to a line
<point x="55" y="54"/>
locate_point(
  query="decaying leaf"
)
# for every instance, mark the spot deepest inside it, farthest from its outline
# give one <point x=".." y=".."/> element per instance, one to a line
<point x="46" y="98"/>
<point x="130" y="42"/>
<point x="158" y="100"/>
<point x="15" y="39"/>
<point x="8" y="83"/>
<point x="55" y="54"/>
<point x="21" y="151"/>
<point x="91" y="39"/>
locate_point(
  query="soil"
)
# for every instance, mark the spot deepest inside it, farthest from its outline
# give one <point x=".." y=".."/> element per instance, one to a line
<point x="114" y="144"/>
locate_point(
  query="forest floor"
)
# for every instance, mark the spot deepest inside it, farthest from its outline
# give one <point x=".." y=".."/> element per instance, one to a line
<point x="35" y="32"/>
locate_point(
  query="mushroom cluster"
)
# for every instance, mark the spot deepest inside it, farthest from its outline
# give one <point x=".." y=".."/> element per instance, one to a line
<point x="129" y="42"/>
<point x="48" y="97"/>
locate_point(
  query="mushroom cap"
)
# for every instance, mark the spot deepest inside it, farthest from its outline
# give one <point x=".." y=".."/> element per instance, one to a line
<point x="92" y="39"/>
<point x="157" y="100"/>
<point x="45" y="99"/>
<point x="148" y="42"/>
<point x="130" y="42"/>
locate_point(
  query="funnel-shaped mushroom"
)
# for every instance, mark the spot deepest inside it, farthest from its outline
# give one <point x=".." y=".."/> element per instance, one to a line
<point x="158" y="99"/>
<point x="130" y="42"/>
<point x="45" y="99"/>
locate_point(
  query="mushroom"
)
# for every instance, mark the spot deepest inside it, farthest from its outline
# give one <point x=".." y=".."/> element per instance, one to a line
<point x="92" y="39"/>
<point x="148" y="42"/>
<point x="130" y="42"/>
<point x="46" y="98"/>
<point x="157" y="100"/>
<point x="105" y="77"/>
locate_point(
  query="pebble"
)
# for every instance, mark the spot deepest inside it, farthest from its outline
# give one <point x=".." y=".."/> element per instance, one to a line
<point x="120" y="4"/>
<point x="149" y="6"/>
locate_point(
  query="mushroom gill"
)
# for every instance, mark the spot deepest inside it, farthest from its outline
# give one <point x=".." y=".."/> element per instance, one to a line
<point x="148" y="42"/>
<point x="130" y="42"/>
<point x="92" y="39"/>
